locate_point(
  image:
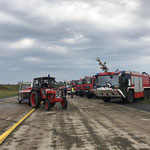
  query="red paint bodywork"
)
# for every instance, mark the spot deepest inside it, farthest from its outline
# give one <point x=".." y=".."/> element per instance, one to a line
<point x="51" y="95"/>
<point x="89" y="86"/>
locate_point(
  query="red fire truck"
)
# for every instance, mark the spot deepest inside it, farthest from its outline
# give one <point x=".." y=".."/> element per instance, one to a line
<point x="88" y="84"/>
<point x="79" y="87"/>
<point x="126" y="85"/>
<point x="123" y="84"/>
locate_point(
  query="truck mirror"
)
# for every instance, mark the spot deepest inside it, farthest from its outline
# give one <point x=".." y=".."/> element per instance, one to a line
<point x="129" y="82"/>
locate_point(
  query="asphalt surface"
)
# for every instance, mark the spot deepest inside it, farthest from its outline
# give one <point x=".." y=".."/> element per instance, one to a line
<point x="136" y="104"/>
<point x="86" y="124"/>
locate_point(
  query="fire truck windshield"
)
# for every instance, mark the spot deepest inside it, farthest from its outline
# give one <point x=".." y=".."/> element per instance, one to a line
<point x="108" y="80"/>
<point x="79" y="82"/>
<point x="87" y="81"/>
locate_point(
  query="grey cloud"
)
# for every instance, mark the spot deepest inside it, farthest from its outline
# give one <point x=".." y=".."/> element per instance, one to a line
<point x="69" y="37"/>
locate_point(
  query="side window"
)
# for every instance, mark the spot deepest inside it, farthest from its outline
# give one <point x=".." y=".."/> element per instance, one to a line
<point x="95" y="81"/>
<point x="35" y="83"/>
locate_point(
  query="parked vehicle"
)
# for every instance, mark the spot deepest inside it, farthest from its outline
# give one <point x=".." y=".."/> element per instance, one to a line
<point x="24" y="91"/>
<point x="88" y="84"/>
<point x="79" y="87"/>
<point x="126" y="85"/>
<point x="68" y="86"/>
<point x="44" y="90"/>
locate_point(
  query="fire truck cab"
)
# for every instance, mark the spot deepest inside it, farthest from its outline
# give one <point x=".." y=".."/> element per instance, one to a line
<point x="79" y="87"/>
<point x="126" y="85"/>
<point x="88" y="84"/>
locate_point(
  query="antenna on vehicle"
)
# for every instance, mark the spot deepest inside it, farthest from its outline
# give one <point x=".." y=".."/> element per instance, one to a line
<point x="103" y="65"/>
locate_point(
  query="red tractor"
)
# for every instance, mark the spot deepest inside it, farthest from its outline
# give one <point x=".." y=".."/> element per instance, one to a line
<point x="44" y="90"/>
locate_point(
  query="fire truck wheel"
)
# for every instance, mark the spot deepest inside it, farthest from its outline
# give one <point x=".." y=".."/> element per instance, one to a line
<point x="89" y="96"/>
<point x="47" y="105"/>
<point x="19" y="100"/>
<point x="130" y="97"/>
<point x="35" y="99"/>
<point x="64" y="103"/>
<point x="146" y="95"/>
<point x="149" y="94"/>
<point x="106" y="99"/>
<point x="52" y="104"/>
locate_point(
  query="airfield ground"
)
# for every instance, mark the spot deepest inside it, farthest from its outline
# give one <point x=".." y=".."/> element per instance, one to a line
<point x="86" y="124"/>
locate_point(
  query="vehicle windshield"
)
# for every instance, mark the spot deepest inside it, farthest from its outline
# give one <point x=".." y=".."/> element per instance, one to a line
<point x="87" y="81"/>
<point x="112" y="80"/>
<point x="73" y="82"/>
<point x="68" y="86"/>
<point x="26" y="86"/>
<point x="39" y="82"/>
<point x="79" y="82"/>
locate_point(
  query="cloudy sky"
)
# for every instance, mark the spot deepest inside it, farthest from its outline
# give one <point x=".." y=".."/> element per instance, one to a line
<point x="64" y="37"/>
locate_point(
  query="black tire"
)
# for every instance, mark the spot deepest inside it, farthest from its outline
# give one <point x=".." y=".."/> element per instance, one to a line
<point x="19" y="100"/>
<point x="149" y="94"/>
<point x="81" y="94"/>
<point x="130" y="97"/>
<point x="35" y="99"/>
<point x="89" y="95"/>
<point x="146" y="95"/>
<point x="52" y="104"/>
<point x="48" y="105"/>
<point x="106" y="99"/>
<point x="64" y="103"/>
<point x="29" y="103"/>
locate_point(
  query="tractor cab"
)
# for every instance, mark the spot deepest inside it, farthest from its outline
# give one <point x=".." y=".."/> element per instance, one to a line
<point x="44" y="82"/>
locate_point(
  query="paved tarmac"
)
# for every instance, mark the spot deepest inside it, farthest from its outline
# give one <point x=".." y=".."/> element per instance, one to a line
<point x="87" y="124"/>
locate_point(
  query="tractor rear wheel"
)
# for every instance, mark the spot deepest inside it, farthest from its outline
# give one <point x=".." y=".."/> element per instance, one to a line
<point x="48" y="105"/>
<point x="64" y="103"/>
<point x="35" y="99"/>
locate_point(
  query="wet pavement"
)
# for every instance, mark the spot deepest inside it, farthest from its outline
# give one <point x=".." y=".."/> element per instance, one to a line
<point x="86" y="124"/>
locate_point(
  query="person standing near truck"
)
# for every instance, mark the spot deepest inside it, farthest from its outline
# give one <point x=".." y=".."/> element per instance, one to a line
<point x="65" y="90"/>
<point x="72" y="91"/>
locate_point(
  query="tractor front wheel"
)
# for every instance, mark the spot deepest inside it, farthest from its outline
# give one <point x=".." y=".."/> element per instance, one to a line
<point x="64" y="103"/>
<point x="52" y="104"/>
<point x="35" y="99"/>
<point x="48" y="105"/>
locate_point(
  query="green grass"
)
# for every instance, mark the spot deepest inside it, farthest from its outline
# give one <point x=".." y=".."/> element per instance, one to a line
<point x="8" y="90"/>
<point x="12" y="90"/>
<point x="145" y="101"/>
